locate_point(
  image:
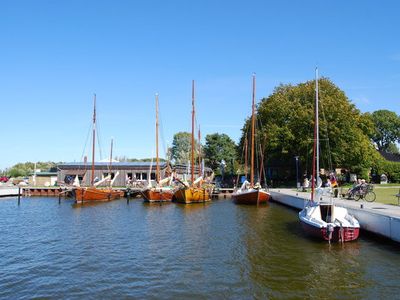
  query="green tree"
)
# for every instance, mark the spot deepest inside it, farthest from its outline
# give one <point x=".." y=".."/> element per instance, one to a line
<point x="27" y="168"/>
<point x="287" y="125"/>
<point x="392" y="148"/>
<point x="181" y="147"/>
<point x="387" y="128"/>
<point x="219" y="147"/>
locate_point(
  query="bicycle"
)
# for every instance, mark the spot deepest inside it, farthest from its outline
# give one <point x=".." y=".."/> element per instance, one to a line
<point x="365" y="192"/>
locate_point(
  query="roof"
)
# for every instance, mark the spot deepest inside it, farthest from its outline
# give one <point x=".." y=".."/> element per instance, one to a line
<point x="45" y="174"/>
<point x="390" y="156"/>
<point x="141" y="165"/>
<point x="114" y="166"/>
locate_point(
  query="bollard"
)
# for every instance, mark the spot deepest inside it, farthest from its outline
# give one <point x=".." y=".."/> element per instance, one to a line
<point x="19" y="195"/>
<point x="128" y="195"/>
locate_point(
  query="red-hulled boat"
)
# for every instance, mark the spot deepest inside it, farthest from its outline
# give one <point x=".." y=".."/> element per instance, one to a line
<point x="251" y="196"/>
<point x="158" y="193"/>
<point x="326" y="221"/>
<point x="92" y="193"/>
<point x="250" y="193"/>
<point x="329" y="222"/>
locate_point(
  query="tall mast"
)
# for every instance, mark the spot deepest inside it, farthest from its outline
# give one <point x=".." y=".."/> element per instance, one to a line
<point x="253" y="126"/>
<point x="157" y="159"/>
<point x="260" y="174"/>
<point x="315" y="170"/>
<point x="192" y="152"/>
<point x="200" y="167"/>
<point x="94" y="138"/>
<point x="111" y="152"/>
<point x="246" y="158"/>
<point x="317" y="122"/>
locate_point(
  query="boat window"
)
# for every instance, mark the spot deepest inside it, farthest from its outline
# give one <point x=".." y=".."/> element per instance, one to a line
<point x="144" y="176"/>
<point x="153" y="176"/>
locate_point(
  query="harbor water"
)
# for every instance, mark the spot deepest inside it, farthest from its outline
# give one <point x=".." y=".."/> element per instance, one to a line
<point x="217" y="250"/>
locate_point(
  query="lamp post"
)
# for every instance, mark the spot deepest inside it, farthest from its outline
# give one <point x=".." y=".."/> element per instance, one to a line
<point x="297" y="172"/>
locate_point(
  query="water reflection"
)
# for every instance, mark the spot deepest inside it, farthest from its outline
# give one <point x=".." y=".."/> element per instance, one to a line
<point x="285" y="263"/>
<point x="217" y="250"/>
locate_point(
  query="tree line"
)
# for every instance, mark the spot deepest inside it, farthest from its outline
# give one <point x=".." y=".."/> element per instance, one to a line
<point x="285" y="121"/>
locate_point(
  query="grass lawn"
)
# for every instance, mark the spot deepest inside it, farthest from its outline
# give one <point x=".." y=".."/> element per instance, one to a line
<point x="386" y="194"/>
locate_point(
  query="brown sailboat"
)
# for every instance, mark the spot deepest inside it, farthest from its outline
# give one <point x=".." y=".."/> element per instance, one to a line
<point x="192" y="193"/>
<point x="93" y="193"/>
<point x="158" y="193"/>
<point x="251" y="193"/>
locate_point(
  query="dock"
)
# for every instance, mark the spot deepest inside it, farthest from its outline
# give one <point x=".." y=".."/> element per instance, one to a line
<point x="222" y="193"/>
<point x="378" y="218"/>
<point x="32" y="191"/>
<point x="28" y="191"/>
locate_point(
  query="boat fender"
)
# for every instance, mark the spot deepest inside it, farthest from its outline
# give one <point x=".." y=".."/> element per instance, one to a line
<point x="330" y="228"/>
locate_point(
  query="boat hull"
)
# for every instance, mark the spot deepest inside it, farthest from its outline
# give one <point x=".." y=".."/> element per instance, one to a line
<point x="192" y="195"/>
<point x="159" y="195"/>
<point x="93" y="195"/>
<point x="253" y="197"/>
<point x="339" y="234"/>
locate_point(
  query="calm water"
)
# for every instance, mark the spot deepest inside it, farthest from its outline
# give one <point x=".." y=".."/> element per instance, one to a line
<point x="218" y="250"/>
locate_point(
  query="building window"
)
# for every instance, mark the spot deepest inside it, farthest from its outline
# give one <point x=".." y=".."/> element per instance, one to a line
<point x="106" y="174"/>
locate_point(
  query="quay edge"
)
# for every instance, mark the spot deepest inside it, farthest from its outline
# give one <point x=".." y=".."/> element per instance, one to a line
<point x="378" y="218"/>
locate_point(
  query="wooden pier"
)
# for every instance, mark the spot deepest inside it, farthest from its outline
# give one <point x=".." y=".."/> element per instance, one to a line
<point x="222" y="193"/>
<point x="31" y="191"/>
<point x="45" y="191"/>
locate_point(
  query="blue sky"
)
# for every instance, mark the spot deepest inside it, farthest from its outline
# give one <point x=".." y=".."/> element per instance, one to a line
<point x="55" y="54"/>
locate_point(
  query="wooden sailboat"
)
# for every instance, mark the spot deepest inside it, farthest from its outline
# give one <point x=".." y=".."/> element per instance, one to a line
<point x="192" y="193"/>
<point x="249" y="193"/>
<point x="158" y="193"/>
<point x="323" y="220"/>
<point x="92" y="193"/>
